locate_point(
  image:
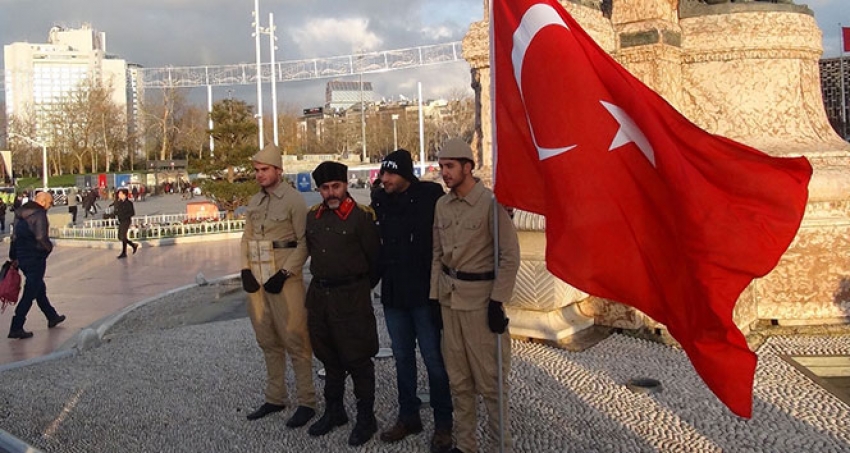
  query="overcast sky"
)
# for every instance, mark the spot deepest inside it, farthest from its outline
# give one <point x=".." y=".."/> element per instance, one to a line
<point x="157" y="33"/>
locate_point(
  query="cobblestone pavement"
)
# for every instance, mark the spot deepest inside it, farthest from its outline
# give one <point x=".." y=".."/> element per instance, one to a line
<point x="179" y="375"/>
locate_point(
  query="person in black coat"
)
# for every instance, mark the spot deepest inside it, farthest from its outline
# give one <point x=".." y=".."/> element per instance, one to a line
<point x="404" y="206"/>
<point x="30" y="247"/>
<point x="124" y="212"/>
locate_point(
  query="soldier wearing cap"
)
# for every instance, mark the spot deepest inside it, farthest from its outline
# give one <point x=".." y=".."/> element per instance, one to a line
<point x="344" y="244"/>
<point x="471" y="285"/>
<point x="274" y="249"/>
<point x="405" y="209"/>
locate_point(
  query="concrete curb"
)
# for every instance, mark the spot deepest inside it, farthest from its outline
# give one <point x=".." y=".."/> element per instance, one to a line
<point x="93" y="243"/>
<point x="11" y="444"/>
<point x="92" y="335"/>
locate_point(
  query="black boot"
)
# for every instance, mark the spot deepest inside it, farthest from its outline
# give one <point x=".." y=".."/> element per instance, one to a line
<point x="16" y="330"/>
<point x="366" y="425"/>
<point x="334" y="416"/>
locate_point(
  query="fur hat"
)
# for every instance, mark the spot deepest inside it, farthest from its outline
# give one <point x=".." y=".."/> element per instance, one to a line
<point x="456" y="149"/>
<point x="330" y="171"/>
<point x="270" y="155"/>
<point x="399" y="162"/>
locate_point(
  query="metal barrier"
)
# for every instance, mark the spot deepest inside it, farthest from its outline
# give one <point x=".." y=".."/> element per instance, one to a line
<point x="159" y="219"/>
<point x="145" y="232"/>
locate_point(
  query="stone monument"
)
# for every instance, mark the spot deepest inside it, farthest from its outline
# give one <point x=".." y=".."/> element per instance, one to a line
<point x="747" y="70"/>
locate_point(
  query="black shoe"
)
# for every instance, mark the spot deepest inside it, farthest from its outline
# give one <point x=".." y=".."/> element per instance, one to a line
<point x="20" y="334"/>
<point x="55" y="321"/>
<point x="135" y="247"/>
<point x="122" y="256"/>
<point x="265" y="409"/>
<point x="455" y="450"/>
<point x="441" y="441"/>
<point x="301" y="416"/>
<point x="334" y="416"/>
<point x="363" y="431"/>
<point x="401" y="430"/>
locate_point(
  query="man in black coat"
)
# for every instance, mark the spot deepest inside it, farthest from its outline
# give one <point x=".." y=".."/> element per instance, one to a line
<point x="124" y="212"/>
<point x="404" y="206"/>
<point x="30" y="247"/>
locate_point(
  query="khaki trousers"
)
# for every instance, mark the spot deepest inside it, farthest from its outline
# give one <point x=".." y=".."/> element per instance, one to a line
<point x="280" y="325"/>
<point x="469" y="350"/>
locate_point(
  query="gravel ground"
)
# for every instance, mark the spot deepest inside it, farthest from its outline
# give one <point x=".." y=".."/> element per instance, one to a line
<point x="179" y="375"/>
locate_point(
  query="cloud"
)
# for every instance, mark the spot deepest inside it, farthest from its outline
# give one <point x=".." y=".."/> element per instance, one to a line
<point x="330" y="37"/>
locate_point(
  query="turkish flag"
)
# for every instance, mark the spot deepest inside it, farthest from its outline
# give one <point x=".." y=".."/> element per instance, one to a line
<point x="641" y="205"/>
<point x="845" y="33"/>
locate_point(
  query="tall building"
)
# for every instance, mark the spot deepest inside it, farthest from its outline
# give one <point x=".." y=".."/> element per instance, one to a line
<point x="831" y="87"/>
<point x="342" y="95"/>
<point x="39" y="77"/>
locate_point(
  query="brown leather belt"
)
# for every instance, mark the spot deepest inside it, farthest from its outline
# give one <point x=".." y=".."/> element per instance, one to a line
<point x="284" y="244"/>
<point x="468" y="276"/>
<point x="336" y="282"/>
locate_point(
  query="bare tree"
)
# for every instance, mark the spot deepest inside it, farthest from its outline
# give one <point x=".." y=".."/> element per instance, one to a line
<point x="160" y="115"/>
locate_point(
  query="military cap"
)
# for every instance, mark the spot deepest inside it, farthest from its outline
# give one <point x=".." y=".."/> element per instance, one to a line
<point x="270" y="155"/>
<point x="330" y="171"/>
<point x="456" y="149"/>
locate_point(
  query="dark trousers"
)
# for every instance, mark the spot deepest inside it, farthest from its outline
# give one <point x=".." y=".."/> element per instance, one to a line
<point x="123" y="227"/>
<point x="73" y="211"/>
<point x="407" y="326"/>
<point x="344" y="336"/>
<point x="34" y="289"/>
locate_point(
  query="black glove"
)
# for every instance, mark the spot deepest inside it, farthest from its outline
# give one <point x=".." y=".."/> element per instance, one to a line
<point x="436" y="313"/>
<point x="496" y="318"/>
<point x="275" y="283"/>
<point x="249" y="283"/>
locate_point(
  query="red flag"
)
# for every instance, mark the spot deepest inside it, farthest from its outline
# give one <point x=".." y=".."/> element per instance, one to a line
<point x="845" y="33"/>
<point x="642" y="206"/>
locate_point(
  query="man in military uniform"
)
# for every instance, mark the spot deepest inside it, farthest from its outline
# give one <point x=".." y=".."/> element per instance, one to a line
<point x="274" y="249"/>
<point x="471" y="286"/>
<point x="344" y="244"/>
<point x="405" y="209"/>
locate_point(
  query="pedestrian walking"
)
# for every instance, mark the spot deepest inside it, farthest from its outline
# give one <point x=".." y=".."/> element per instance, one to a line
<point x="344" y="244"/>
<point x="472" y="284"/>
<point x="3" y="207"/>
<point x="274" y="250"/>
<point x="30" y="247"/>
<point x="404" y="206"/>
<point x="73" y="200"/>
<point x="124" y="212"/>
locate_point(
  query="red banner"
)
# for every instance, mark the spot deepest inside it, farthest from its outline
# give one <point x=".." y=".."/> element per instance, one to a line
<point x="641" y="205"/>
<point x="845" y="33"/>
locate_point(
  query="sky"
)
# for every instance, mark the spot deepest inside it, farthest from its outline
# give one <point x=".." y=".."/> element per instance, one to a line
<point x="159" y="33"/>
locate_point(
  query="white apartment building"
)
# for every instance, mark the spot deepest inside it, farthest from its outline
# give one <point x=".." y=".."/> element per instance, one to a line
<point x="39" y="76"/>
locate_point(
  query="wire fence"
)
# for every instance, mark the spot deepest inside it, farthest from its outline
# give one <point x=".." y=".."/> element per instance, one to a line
<point x="145" y="228"/>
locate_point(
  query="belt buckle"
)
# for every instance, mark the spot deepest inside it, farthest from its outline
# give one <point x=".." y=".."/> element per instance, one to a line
<point x="453" y="273"/>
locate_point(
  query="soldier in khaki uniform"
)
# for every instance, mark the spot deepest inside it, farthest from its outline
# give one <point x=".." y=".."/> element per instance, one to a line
<point x="274" y="249"/>
<point x="471" y="288"/>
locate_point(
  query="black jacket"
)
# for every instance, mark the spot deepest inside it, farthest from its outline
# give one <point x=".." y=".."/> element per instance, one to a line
<point x="124" y="210"/>
<point x="30" y="234"/>
<point x="406" y="223"/>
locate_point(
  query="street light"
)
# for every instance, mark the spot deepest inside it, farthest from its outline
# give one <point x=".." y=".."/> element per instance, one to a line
<point x="43" y="156"/>
<point x="362" y="114"/>
<point x="395" y="132"/>
<point x="256" y="36"/>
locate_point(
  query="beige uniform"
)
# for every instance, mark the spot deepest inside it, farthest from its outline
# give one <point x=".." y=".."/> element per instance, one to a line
<point x="463" y="242"/>
<point x="273" y="222"/>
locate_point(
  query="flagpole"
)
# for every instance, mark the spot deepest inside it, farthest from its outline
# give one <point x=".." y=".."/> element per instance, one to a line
<point x="843" y="89"/>
<point x="495" y="209"/>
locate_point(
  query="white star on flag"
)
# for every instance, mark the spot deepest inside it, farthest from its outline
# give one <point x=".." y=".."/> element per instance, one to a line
<point x="628" y="132"/>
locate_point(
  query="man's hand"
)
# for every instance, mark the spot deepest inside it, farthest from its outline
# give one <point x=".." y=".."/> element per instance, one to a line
<point x="275" y="283"/>
<point x="249" y="283"/>
<point x="496" y="319"/>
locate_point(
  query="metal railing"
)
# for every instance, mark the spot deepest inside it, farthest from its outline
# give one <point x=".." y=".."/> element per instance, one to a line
<point x="144" y="232"/>
<point x="159" y="219"/>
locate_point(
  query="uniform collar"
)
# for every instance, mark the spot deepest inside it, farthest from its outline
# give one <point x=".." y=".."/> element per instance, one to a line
<point x="343" y="211"/>
<point x="278" y="191"/>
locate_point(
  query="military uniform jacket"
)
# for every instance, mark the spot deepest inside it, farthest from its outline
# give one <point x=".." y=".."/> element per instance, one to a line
<point x="463" y="241"/>
<point x="279" y="215"/>
<point x="406" y="222"/>
<point x="343" y="248"/>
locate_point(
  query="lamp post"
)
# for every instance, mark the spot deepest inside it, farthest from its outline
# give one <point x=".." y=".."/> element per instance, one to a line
<point x="43" y="156"/>
<point x="256" y="35"/>
<point x="362" y="120"/>
<point x="395" y="132"/>
<point x="272" y="39"/>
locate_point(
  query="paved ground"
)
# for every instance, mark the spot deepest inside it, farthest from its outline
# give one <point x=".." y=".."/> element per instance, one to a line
<point x="179" y="374"/>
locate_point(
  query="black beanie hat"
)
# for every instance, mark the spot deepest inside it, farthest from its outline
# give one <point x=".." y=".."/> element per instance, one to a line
<point x="330" y="171"/>
<point x="400" y="163"/>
